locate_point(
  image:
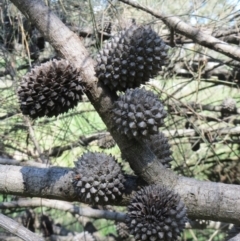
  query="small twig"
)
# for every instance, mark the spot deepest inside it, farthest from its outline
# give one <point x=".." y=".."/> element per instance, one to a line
<point x="8" y="161"/>
<point x="65" y="206"/>
<point x="213" y="235"/>
<point x="34" y="140"/>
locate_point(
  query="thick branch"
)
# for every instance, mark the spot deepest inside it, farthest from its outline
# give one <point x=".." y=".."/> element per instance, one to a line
<point x="209" y="201"/>
<point x="187" y="30"/>
<point x="53" y="183"/>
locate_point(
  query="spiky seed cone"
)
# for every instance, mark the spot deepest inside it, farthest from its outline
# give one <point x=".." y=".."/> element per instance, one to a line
<point x="50" y="89"/>
<point x="229" y="106"/>
<point x="84" y="236"/>
<point x="155" y="214"/>
<point x="107" y="28"/>
<point x="122" y="230"/>
<point x="159" y="145"/>
<point x="138" y="113"/>
<point x="98" y="178"/>
<point x="131" y="58"/>
<point x="106" y="142"/>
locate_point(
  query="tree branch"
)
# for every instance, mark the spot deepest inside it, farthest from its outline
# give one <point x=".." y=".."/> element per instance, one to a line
<point x="65" y="206"/>
<point x="17" y="229"/>
<point x="55" y="183"/>
<point x="187" y="30"/>
<point x="52" y="183"/>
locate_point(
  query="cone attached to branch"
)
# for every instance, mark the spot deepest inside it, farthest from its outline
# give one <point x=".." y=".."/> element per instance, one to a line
<point x="131" y="58"/>
<point x="98" y="178"/>
<point x="50" y="89"/>
<point x="159" y="145"/>
<point x="138" y="113"/>
<point x="156" y="213"/>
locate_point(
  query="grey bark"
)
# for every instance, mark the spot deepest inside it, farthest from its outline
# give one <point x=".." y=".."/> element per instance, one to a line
<point x="52" y="183"/>
<point x="204" y="200"/>
<point x="236" y="238"/>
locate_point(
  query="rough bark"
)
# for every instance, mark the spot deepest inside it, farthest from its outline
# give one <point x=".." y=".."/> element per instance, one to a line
<point x="203" y="199"/>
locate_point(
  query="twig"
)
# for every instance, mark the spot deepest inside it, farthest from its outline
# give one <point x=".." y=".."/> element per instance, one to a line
<point x="34" y="140"/>
<point x="8" y="161"/>
<point x="65" y="206"/>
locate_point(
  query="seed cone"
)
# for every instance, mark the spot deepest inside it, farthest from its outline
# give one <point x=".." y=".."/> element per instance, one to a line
<point x="106" y="142"/>
<point x="50" y="89"/>
<point x="229" y="106"/>
<point x="138" y="113"/>
<point x="155" y="214"/>
<point x="130" y="58"/>
<point x="98" y="178"/>
<point x="159" y="145"/>
<point x="122" y="230"/>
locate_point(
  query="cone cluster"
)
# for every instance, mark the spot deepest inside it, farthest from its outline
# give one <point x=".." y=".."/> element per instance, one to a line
<point x="50" y="89"/>
<point x="159" y="145"/>
<point x="98" y="178"/>
<point x="130" y="58"/>
<point x="155" y="214"/>
<point x="138" y="113"/>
